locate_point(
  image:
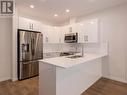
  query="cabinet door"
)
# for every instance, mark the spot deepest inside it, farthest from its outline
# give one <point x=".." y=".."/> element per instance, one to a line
<point x="66" y="29"/>
<point x="91" y="31"/>
<point x="45" y="31"/>
<point x="29" y="24"/>
<point x="55" y="35"/>
<point x="74" y="28"/>
<point x="62" y="30"/>
<point x="88" y="31"/>
<point x="52" y="34"/>
<point x="49" y="35"/>
<point x="24" y="23"/>
<point x="79" y="29"/>
<point x="36" y="25"/>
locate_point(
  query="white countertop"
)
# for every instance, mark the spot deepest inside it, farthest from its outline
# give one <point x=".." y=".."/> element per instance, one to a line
<point x="65" y="62"/>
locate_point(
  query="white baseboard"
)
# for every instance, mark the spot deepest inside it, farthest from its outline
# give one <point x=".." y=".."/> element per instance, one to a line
<point x="117" y="79"/>
<point x="14" y="79"/>
<point x="4" y="79"/>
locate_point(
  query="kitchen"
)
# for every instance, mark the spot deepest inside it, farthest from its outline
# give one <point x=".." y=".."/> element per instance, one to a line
<point x="99" y="32"/>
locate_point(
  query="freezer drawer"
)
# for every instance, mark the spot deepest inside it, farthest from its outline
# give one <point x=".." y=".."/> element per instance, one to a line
<point x="28" y="69"/>
<point x="34" y="68"/>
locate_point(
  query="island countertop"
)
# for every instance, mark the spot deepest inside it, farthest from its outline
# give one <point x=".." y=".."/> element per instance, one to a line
<point x="65" y="62"/>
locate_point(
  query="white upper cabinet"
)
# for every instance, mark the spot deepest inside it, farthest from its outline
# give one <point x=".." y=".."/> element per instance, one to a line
<point x="36" y="25"/>
<point x="45" y="31"/>
<point x="52" y="34"/>
<point x="28" y="24"/>
<point x="24" y="23"/>
<point x="69" y="29"/>
<point x="88" y="31"/>
<point x="56" y="35"/>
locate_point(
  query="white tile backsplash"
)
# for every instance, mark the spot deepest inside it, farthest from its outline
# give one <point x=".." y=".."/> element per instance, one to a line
<point x="59" y="47"/>
<point x="101" y="48"/>
<point x="88" y="48"/>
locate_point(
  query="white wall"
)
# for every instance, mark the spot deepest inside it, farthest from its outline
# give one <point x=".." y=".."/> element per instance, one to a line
<point x="5" y="48"/>
<point x="113" y="29"/>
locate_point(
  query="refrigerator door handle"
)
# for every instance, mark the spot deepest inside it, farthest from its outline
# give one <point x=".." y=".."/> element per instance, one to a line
<point x="27" y="47"/>
<point x="25" y="63"/>
<point x="32" y="46"/>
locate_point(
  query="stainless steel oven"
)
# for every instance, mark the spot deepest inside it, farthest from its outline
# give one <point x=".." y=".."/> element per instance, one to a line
<point x="71" y="38"/>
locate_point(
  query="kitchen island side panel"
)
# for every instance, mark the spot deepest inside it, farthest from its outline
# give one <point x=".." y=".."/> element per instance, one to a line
<point x="77" y="79"/>
<point x="47" y="79"/>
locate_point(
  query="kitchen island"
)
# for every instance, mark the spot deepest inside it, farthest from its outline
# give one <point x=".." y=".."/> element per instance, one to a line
<point x="69" y="76"/>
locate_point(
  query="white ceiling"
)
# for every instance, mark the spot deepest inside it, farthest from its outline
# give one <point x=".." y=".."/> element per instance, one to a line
<point x="45" y="9"/>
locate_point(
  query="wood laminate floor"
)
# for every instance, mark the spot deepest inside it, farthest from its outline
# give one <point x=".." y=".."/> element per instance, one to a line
<point x="30" y="87"/>
<point x="107" y="87"/>
<point x="25" y="87"/>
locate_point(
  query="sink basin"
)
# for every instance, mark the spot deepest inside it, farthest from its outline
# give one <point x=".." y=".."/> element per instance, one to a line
<point x="66" y="53"/>
<point x="75" y="56"/>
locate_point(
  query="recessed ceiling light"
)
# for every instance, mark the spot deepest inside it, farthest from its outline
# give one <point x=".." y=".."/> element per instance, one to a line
<point x="55" y="15"/>
<point x="67" y="10"/>
<point x="32" y="6"/>
<point x="92" y="22"/>
<point x="81" y="24"/>
<point x="55" y="27"/>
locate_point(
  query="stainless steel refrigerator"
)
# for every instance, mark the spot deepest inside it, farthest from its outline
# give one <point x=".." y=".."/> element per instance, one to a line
<point x="30" y="50"/>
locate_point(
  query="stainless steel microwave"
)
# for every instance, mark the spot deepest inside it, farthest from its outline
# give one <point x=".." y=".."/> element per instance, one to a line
<point x="71" y="38"/>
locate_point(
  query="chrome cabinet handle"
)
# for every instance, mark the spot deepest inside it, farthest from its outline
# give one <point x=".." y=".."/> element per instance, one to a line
<point x="86" y="38"/>
<point x="59" y="40"/>
<point x="46" y="39"/>
<point x="30" y="26"/>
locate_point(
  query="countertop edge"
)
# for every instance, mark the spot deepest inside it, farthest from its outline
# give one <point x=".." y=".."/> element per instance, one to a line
<point x="94" y="56"/>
